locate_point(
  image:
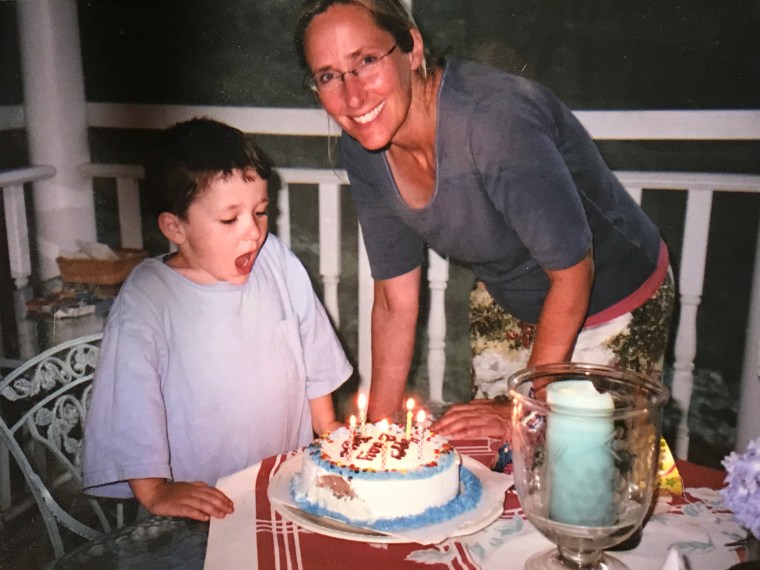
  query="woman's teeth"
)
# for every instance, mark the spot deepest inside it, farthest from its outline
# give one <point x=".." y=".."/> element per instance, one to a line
<point x="367" y="117"/>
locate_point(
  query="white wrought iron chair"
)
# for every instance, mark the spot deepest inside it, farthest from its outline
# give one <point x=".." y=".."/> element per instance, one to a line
<point x="43" y="404"/>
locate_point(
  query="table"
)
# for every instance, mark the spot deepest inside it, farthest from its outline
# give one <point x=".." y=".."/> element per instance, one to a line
<point x="698" y="522"/>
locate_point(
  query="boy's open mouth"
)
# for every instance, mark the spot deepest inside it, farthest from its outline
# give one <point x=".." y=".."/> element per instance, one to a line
<point x="244" y="263"/>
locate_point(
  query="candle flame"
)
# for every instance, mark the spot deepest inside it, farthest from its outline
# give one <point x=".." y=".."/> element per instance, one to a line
<point x="383" y="425"/>
<point x="362" y="401"/>
<point x="352" y="421"/>
<point x="420" y="416"/>
<point x="410" y="404"/>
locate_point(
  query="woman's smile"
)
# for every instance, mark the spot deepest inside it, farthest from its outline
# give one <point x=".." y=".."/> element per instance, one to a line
<point x="371" y="116"/>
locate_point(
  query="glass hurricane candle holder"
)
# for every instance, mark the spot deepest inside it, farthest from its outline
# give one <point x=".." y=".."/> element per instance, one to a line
<point x="585" y="444"/>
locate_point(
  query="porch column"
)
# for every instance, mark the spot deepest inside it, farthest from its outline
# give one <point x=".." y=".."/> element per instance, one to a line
<point x="56" y="125"/>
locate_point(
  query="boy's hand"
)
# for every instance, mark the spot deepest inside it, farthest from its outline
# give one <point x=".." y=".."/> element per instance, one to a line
<point x="194" y="500"/>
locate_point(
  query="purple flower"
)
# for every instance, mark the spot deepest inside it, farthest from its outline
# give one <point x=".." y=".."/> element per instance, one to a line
<point x="742" y="491"/>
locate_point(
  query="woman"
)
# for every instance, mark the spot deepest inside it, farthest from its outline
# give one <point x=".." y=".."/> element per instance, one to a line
<point x="494" y="171"/>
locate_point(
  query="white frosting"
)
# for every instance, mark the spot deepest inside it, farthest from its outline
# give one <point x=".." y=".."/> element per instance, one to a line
<point x="364" y="487"/>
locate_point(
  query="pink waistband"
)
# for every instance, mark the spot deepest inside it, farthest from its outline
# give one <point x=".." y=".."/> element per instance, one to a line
<point x="639" y="296"/>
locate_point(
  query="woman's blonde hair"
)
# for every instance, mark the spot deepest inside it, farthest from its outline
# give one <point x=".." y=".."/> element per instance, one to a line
<point x="389" y="15"/>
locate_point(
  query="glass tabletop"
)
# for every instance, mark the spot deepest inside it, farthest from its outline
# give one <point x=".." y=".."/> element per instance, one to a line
<point x="153" y="543"/>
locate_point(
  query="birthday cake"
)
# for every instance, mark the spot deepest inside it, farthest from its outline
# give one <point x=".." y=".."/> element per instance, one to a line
<point x="379" y="478"/>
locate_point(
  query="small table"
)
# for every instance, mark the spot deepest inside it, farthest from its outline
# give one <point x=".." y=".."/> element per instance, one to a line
<point x="160" y="542"/>
<point x="154" y="543"/>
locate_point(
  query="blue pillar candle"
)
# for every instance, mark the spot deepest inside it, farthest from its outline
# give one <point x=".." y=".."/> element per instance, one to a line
<point x="581" y="466"/>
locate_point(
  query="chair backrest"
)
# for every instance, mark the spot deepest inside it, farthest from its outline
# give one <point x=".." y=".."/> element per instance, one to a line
<point x="43" y="404"/>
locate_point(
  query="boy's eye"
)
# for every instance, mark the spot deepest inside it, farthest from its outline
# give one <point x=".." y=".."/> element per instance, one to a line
<point x="263" y="213"/>
<point x="230" y="221"/>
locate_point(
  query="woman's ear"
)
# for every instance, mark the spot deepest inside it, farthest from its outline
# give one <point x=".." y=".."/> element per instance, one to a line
<point x="417" y="55"/>
<point x="172" y="228"/>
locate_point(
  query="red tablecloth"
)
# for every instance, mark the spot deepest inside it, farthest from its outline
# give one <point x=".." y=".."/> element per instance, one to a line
<point x="283" y="544"/>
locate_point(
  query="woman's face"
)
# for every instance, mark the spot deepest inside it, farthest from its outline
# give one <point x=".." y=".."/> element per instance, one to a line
<point x="372" y="110"/>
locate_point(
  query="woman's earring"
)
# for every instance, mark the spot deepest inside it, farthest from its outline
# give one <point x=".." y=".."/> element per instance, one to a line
<point x="423" y="69"/>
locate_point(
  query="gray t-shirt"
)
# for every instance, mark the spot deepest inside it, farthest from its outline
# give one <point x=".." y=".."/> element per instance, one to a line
<point x="195" y="382"/>
<point x="520" y="188"/>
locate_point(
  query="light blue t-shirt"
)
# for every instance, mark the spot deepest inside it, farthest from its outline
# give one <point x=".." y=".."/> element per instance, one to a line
<point x="195" y="382"/>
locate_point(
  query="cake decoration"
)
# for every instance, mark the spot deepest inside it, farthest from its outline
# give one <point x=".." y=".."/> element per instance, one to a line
<point x="384" y="477"/>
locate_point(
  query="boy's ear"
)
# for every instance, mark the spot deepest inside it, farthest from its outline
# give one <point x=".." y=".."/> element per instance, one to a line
<point x="172" y="228"/>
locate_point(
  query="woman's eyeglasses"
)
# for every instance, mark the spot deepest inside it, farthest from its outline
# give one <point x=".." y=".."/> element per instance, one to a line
<point x="326" y="81"/>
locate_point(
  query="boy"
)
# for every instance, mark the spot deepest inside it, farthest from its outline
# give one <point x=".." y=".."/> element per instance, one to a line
<point x="217" y="355"/>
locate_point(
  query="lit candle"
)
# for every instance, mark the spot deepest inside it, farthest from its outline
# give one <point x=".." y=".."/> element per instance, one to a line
<point x="420" y="431"/>
<point x="409" y="408"/>
<point x="362" y="403"/>
<point x="383" y="425"/>
<point x="581" y="464"/>
<point x="351" y="436"/>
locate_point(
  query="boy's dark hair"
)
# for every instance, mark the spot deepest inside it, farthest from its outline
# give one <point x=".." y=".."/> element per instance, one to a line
<point x="189" y="155"/>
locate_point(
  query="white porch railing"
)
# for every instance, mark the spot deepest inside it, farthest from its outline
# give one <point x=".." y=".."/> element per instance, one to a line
<point x="678" y="125"/>
<point x="12" y="185"/>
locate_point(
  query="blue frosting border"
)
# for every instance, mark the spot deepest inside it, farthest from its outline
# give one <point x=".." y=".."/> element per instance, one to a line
<point x="468" y="499"/>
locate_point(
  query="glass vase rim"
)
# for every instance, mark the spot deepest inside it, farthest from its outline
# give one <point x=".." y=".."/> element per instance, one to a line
<point x="659" y="392"/>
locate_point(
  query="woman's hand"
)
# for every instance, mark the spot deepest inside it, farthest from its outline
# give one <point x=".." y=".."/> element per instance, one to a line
<point x="194" y="500"/>
<point x="478" y="418"/>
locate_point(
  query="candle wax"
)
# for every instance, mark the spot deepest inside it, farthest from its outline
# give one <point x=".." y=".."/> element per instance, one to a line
<point x="580" y="461"/>
<point x="409" y="408"/>
<point x="362" y="404"/>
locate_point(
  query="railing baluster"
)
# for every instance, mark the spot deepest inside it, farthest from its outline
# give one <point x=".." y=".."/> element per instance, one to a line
<point x="329" y="246"/>
<point x="18" y="235"/>
<point x="366" y="297"/>
<point x="748" y="420"/>
<point x="635" y="193"/>
<point x="283" y="214"/>
<point x="438" y="275"/>
<point x="130" y="219"/>
<point x="691" y="279"/>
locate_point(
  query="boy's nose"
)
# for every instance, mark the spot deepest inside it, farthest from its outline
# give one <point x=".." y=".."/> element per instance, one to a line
<point x="256" y="230"/>
<point x="253" y="230"/>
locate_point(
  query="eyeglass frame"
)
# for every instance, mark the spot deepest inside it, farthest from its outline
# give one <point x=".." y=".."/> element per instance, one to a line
<point x="310" y="81"/>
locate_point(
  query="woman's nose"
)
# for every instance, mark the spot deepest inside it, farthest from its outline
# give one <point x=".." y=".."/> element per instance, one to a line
<point x="353" y="91"/>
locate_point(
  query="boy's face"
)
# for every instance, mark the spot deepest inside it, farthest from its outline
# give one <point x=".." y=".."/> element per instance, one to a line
<point x="225" y="228"/>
